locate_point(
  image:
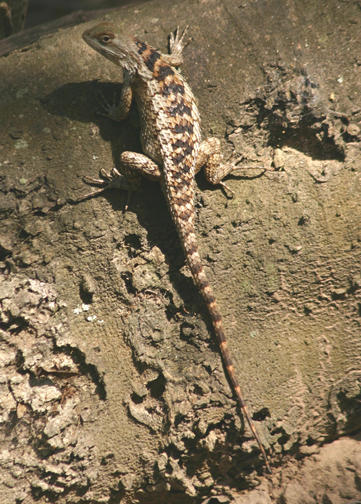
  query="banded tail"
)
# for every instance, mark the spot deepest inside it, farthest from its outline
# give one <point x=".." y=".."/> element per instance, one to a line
<point x="188" y="238"/>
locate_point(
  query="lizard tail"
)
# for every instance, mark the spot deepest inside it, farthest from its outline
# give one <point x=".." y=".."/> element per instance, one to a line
<point x="178" y="125"/>
<point x="190" y="245"/>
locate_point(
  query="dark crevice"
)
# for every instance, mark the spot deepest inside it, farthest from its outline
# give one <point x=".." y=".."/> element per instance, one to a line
<point x="291" y="111"/>
<point x="87" y="369"/>
<point x="136" y="399"/>
<point x="310" y="441"/>
<point x="15" y="325"/>
<point x="127" y="277"/>
<point x="157" y="386"/>
<point x="261" y="414"/>
<point x="116" y="496"/>
<point x="304" y="138"/>
<point x="134" y="243"/>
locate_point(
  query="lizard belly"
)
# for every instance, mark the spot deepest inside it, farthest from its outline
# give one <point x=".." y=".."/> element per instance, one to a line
<point x="148" y="132"/>
<point x="150" y="143"/>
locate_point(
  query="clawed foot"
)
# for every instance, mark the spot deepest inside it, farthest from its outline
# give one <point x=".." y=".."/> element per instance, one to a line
<point x="106" y="178"/>
<point x="109" y="180"/>
<point x="226" y="189"/>
<point x="176" y="46"/>
<point x="229" y="167"/>
<point x="176" y="41"/>
<point x="107" y="108"/>
<point x="232" y="162"/>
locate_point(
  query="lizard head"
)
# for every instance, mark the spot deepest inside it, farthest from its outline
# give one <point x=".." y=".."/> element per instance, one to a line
<point x="119" y="49"/>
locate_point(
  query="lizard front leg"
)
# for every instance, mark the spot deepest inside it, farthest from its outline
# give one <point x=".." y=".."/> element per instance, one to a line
<point x="118" y="109"/>
<point x="176" y="46"/>
<point x="128" y="180"/>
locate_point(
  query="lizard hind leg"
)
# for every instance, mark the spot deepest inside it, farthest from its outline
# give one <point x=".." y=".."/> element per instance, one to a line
<point x="108" y="180"/>
<point x="138" y="164"/>
<point x="133" y="165"/>
<point x="210" y="158"/>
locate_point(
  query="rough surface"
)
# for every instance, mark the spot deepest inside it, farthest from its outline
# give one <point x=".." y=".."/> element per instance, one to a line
<point x="329" y="475"/>
<point x="111" y="388"/>
<point x="47" y="392"/>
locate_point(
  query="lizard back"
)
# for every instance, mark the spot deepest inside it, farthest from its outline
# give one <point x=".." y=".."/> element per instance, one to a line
<point x="169" y="111"/>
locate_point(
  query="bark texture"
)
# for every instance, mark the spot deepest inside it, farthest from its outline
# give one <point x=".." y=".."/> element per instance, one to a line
<point x="111" y="388"/>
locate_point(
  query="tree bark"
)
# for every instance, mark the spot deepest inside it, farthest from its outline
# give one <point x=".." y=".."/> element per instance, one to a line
<point x="112" y="389"/>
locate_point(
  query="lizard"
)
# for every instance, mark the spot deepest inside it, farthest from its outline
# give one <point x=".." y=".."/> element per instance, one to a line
<point x="173" y="152"/>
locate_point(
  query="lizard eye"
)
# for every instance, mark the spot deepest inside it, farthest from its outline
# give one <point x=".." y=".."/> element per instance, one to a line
<point x="105" y="39"/>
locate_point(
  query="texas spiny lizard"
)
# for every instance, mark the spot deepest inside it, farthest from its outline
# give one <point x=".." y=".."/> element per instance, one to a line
<point x="172" y="151"/>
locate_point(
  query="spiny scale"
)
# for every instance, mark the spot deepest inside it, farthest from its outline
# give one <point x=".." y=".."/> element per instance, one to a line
<point x="171" y="140"/>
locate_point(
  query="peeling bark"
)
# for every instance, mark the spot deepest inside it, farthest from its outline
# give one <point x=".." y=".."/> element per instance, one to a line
<point x="112" y="389"/>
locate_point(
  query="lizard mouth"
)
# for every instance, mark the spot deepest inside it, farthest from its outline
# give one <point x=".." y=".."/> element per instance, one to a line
<point x="86" y="37"/>
<point x="105" y="51"/>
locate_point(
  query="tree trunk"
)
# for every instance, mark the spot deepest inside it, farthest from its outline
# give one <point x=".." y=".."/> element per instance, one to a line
<point x="112" y="388"/>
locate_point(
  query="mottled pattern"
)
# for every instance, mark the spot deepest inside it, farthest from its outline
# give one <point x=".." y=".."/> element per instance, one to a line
<point x="171" y="138"/>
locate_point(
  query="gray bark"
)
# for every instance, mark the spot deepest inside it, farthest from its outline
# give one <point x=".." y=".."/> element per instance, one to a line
<point x="111" y="387"/>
